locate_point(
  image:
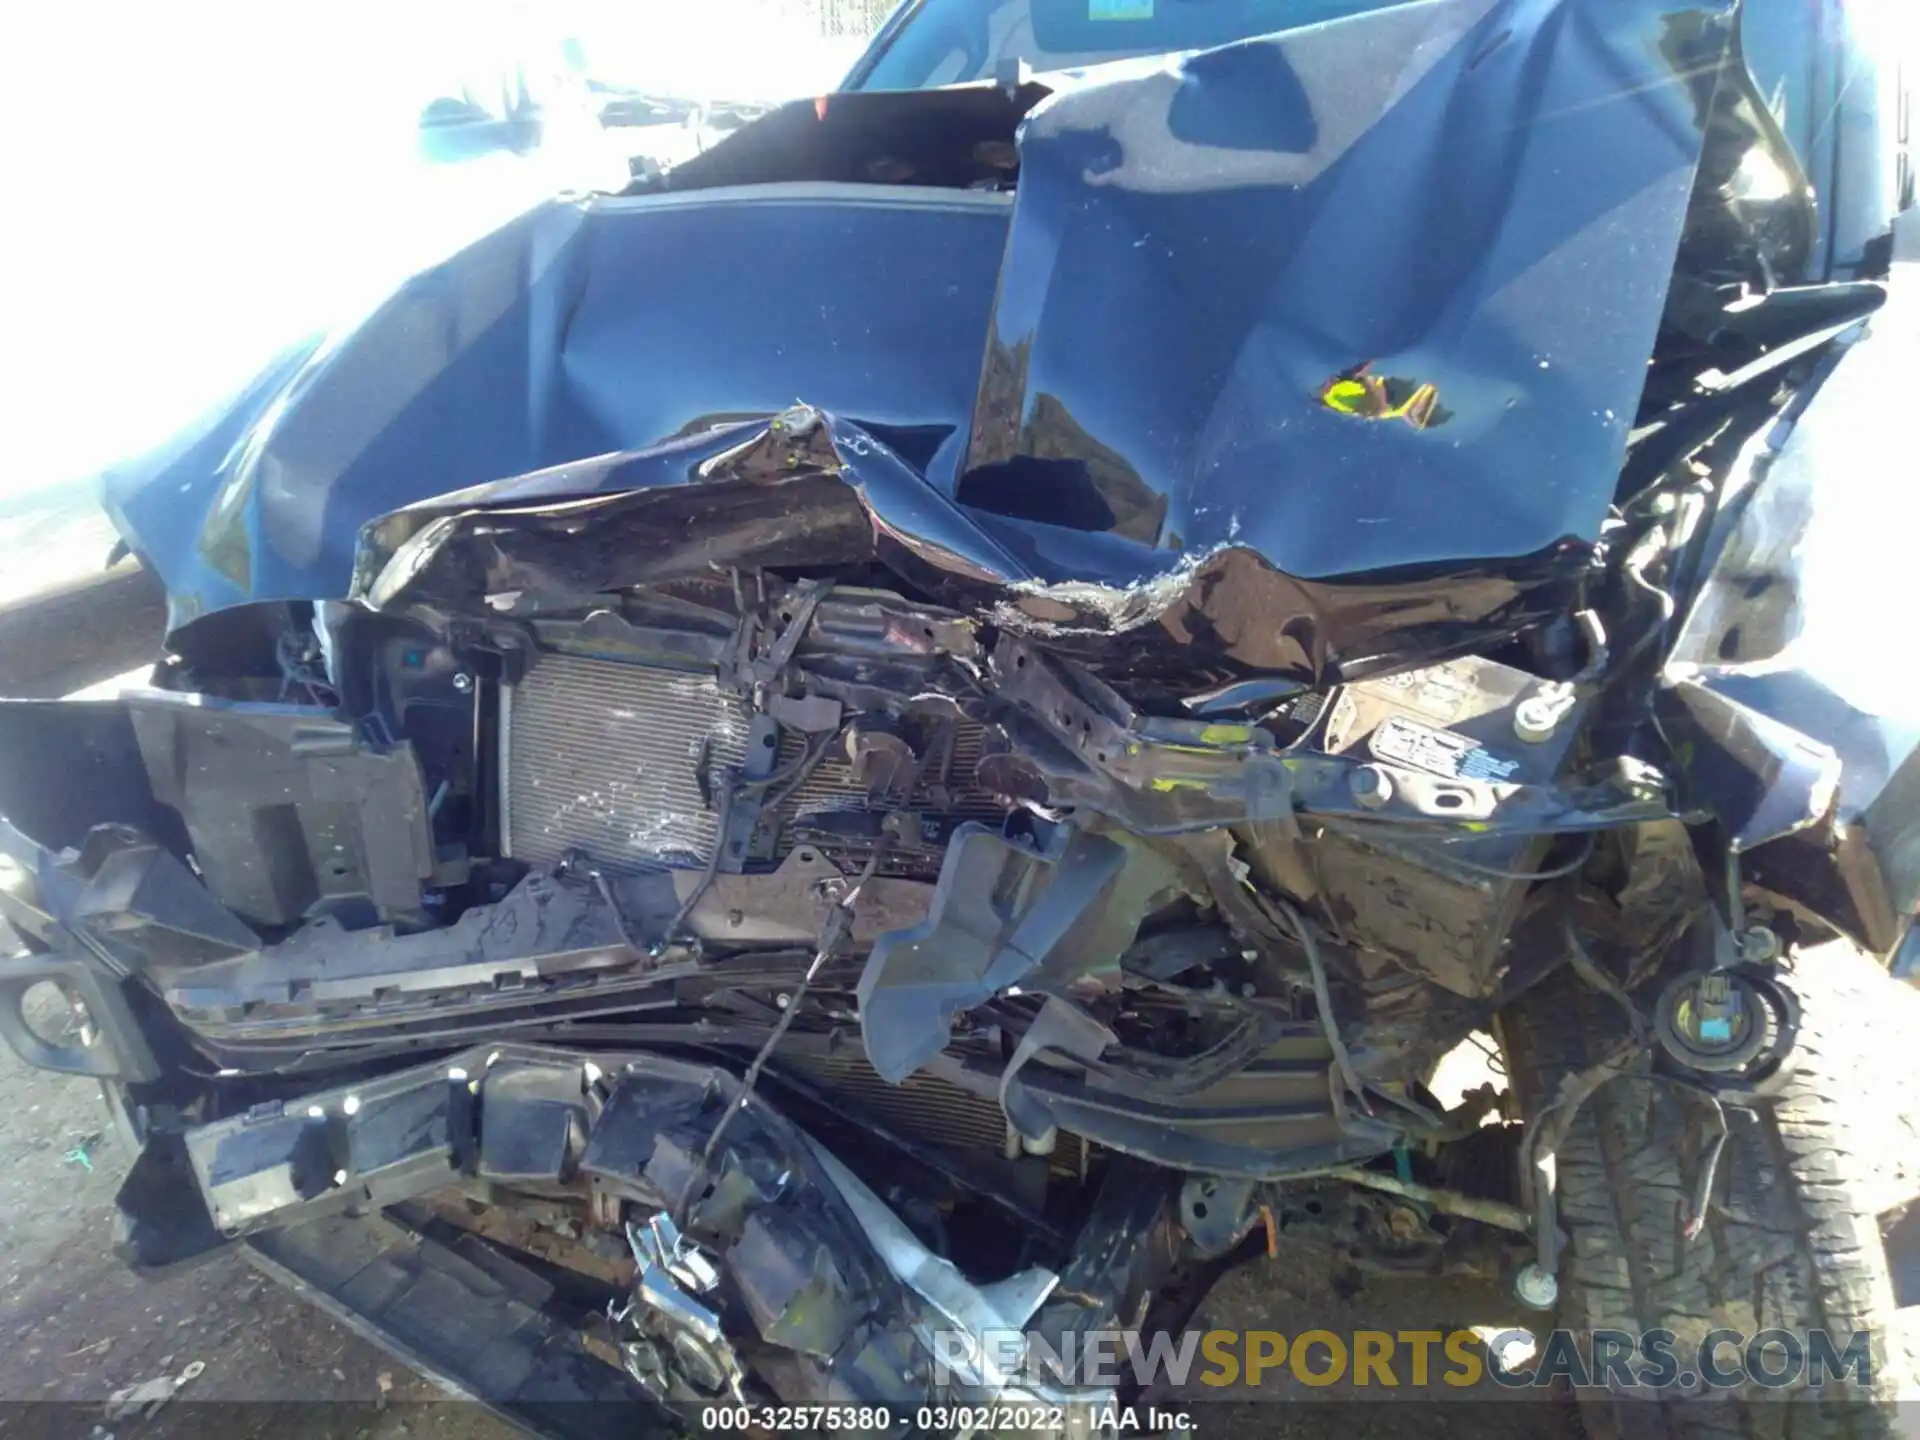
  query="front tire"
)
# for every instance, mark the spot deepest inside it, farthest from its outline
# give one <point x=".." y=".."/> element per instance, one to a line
<point x="1793" y="1237"/>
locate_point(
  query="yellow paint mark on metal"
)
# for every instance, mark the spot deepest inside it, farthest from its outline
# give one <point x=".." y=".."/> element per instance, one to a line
<point x="1226" y="735"/>
<point x="1366" y="396"/>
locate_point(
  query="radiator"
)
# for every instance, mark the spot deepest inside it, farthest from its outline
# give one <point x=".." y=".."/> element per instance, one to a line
<point x="606" y="759"/>
<point x="923" y="1107"/>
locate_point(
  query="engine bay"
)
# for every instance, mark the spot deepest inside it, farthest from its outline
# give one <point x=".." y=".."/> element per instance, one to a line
<point x="1084" y="768"/>
<point x="820" y="824"/>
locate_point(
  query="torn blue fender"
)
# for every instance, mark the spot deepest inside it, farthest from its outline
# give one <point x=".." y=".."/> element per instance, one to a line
<point x="1788" y="681"/>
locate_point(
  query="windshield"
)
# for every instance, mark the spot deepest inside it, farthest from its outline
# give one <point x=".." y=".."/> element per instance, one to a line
<point x="946" y="42"/>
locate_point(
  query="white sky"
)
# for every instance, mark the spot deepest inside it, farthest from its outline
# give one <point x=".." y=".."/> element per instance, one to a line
<point x="192" y="186"/>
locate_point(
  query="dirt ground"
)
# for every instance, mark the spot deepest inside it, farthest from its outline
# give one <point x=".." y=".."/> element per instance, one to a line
<point x="75" y="1327"/>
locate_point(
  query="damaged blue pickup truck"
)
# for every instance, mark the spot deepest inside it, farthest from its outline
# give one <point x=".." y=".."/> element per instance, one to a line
<point x="929" y="723"/>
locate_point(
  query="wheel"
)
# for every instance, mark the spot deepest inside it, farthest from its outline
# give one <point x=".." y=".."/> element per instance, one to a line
<point x="1807" y="1190"/>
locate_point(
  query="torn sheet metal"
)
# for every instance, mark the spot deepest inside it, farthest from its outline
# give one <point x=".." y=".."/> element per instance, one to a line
<point x="1004" y="914"/>
<point x="549" y="342"/>
<point x="1794" y="649"/>
<point x="1489" y="207"/>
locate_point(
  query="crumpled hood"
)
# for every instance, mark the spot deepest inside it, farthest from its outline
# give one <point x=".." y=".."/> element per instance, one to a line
<point x="1365" y="307"/>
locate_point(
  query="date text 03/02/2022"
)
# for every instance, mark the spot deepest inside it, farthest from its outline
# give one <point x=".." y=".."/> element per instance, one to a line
<point x="1038" y="1417"/>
